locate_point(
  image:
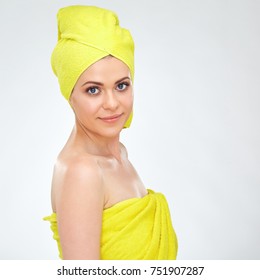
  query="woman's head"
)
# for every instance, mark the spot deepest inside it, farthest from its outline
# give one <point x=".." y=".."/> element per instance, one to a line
<point x="102" y="98"/>
<point x="87" y="34"/>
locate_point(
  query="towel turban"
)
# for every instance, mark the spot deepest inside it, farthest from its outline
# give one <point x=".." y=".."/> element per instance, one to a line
<point x="87" y="34"/>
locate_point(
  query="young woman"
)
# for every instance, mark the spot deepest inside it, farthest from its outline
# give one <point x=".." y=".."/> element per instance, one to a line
<point x="101" y="209"/>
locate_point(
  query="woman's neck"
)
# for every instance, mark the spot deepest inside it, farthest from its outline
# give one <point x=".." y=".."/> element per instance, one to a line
<point x="95" y="144"/>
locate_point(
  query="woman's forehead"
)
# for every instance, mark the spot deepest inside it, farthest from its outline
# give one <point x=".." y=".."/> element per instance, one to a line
<point x="106" y="69"/>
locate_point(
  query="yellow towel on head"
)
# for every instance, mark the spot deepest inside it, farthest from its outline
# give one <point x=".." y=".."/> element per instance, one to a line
<point x="135" y="229"/>
<point x="85" y="35"/>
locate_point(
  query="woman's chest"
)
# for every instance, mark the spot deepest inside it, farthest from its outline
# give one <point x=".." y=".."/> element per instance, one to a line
<point x="122" y="182"/>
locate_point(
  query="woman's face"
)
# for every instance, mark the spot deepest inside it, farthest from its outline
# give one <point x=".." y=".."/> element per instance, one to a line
<point x="102" y="98"/>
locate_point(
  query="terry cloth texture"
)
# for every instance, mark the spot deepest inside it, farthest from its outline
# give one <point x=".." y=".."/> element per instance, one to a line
<point x="134" y="229"/>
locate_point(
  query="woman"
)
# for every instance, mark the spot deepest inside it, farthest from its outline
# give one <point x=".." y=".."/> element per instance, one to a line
<point x="101" y="209"/>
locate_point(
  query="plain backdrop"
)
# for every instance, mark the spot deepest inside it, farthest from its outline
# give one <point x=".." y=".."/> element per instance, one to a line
<point x="195" y="134"/>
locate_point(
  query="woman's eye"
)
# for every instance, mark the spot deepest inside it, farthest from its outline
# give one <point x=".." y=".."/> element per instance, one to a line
<point x="93" y="90"/>
<point x="122" y="86"/>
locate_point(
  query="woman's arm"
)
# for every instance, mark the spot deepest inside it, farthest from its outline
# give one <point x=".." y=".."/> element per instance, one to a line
<point x="79" y="200"/>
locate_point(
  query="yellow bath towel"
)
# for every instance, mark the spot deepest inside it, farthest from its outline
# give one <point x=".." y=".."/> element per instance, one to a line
<point x="134" y="229"/>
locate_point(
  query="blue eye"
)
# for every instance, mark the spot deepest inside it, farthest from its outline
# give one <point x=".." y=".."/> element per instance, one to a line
<point x="122" y="86"/>
<point x="93" y="90"/>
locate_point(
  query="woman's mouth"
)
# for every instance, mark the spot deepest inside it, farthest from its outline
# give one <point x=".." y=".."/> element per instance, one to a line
<point x="111" y="119"/>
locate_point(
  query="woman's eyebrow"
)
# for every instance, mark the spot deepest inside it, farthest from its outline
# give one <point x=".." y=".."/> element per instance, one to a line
<point x="101" y="84"/>
<point x="93" y="82"/>
<point x="122" y="80"/>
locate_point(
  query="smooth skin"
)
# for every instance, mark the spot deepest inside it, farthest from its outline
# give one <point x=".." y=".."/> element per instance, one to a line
<point x="92" y="172"/>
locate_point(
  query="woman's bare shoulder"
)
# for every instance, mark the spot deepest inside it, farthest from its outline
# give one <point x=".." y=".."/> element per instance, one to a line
<point x="79" y="165"/>
<point x="76" y="174"/>
<point x="78" y="200"/>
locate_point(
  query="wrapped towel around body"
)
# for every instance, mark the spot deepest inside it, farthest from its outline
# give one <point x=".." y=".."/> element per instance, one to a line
<point x="134" y="229"/>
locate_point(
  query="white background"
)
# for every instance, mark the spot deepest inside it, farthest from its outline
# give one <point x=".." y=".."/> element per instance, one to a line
<point x="195" y="135"/>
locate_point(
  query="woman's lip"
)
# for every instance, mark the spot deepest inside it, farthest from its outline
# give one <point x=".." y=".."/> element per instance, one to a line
<point x="111" y="118"/>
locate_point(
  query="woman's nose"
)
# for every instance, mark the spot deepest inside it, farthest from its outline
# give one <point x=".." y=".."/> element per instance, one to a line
<point x="110" y="101"/>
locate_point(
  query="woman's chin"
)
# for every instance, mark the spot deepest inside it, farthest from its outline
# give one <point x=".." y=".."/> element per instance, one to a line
<point x="110" y="131"/>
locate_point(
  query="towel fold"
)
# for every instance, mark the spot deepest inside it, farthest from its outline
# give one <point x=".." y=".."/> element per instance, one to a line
<point x="134" y="229"/>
